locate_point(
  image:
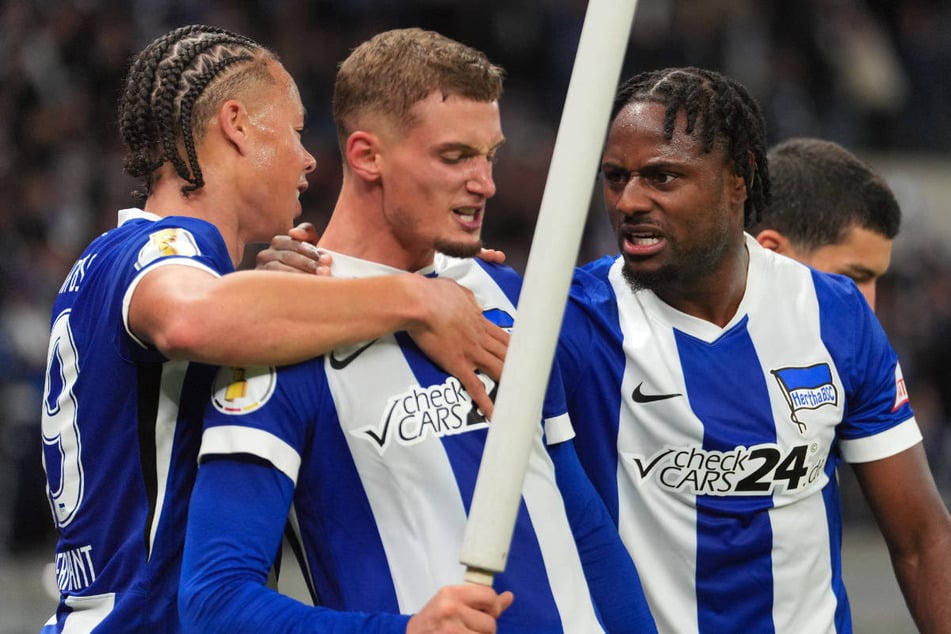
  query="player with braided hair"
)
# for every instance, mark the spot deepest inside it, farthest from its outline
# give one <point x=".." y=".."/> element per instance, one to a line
<point x="716" y="385"/>
<point x="212" y="121"/>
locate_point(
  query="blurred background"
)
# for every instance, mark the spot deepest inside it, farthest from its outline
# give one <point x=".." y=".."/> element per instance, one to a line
<point x="873" y="75"/>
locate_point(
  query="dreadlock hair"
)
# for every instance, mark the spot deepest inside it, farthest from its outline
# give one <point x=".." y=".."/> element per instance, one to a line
<point x="820" y="190"/>
<point x="173" y="86"/>
<point x="719" y="109"/>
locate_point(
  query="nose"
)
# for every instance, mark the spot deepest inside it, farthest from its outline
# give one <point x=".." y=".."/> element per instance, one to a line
<point x="631" y="199"/>
<point x="310" y="163"/>
<point x="481" y="181"/>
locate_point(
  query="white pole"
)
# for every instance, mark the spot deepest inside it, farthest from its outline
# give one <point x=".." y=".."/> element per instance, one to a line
<point x="551" y="261"/>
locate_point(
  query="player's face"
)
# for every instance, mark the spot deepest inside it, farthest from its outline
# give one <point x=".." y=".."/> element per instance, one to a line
<point x="279" y="161"/>
<point x="437" y="177"/>
<point x="863" y="255"/>
<point x="677" y="211"/>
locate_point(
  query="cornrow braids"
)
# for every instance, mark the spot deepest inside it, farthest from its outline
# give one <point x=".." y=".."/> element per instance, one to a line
<point x="717" y="108"/>
<point x="162" y="95"/>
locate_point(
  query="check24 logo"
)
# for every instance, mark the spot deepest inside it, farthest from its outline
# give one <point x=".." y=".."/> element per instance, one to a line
<point x="758" y="470"/>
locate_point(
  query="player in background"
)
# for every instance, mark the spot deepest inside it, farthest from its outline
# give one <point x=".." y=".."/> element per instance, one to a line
<point x="212" y="122"/>
<point x="722" y="384"/>
<point x="829" y="210"/>
<point x="372" y="449"/>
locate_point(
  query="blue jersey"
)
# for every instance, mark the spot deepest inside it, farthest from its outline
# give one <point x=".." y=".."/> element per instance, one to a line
<point x="375" y="451"/>
<point x="121" y="430"/>
<point x="715" y="448"/>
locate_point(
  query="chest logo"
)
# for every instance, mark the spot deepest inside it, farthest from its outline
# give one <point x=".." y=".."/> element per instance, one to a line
<point x="342" y="362"/>
<point x="807" y="387"/>
<point x="443" y="409"/>
<point x="640" y="397"/>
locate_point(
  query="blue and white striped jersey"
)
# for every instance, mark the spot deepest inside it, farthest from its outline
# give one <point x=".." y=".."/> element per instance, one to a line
<point x="121" y="430"/>
<point x="381" y="450"/>
<point x="715" y="448"/>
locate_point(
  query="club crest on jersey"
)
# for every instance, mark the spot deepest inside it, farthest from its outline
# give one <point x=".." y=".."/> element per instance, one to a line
<point x="242" y="390"/>
<point x="419" y="413"/>
<point x="808" y="387"/>
<point x="166" y="242"/>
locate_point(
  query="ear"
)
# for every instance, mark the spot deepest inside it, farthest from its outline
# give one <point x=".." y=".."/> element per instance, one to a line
<point x="363" y="155"/>
<point x="774" y="241"/>
<point x="233" y="121"/>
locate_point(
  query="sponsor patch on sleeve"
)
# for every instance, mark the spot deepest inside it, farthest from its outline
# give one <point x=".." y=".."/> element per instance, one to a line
<point x="242" y="390"/>
<point x="901" y="392"/>
<point x="166" y="242"/>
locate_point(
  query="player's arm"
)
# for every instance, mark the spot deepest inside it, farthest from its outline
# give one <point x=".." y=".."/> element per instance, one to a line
<point x="236" y="517"/>
<point x="273" y="318"/>
<point x="917" y="528"/>
<point x="608" y="568"/>
<point x="297" y="252"/>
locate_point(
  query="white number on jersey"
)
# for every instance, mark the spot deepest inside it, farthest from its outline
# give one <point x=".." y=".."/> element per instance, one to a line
<point x="61" y="435"/>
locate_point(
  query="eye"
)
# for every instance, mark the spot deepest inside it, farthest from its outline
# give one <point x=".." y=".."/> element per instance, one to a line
<point x="614" y="175"/>
<point x="453" y="158"/>
<point x="662" y="178"/>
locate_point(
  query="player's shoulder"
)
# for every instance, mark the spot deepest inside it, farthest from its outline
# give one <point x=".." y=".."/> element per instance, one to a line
<point x="591" y="285"/>
<point x="832" y="290"/>
<point x="474" y="272"/>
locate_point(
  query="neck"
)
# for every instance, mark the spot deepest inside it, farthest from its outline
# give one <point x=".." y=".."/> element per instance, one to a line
<point x="714" y="297"/>
<point x="359" y="227"/>
<point x="167" y="199"/>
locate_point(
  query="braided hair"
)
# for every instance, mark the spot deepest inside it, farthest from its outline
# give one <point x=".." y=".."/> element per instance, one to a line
<point x="718" y="108"/>
<point x="171" y="89"/>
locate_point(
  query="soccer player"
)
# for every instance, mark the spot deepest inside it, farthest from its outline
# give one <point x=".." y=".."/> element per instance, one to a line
<point x="371" y="448"/>
<point x="212" y="122"/>
<point x="722" y="384"/>
<point x="830" y="210"/>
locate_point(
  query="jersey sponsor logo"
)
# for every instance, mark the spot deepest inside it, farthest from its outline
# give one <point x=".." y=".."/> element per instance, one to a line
<point x="901" y="392"/>
<point x="444" y="409"/>
<point x="759" y="470"/>
<point x="640" y="397"/>
<point x="75" y="569"/>
<point x="338" y="363"/>
<point x="242" y="390"/>
<point x="166" y="242"/>
<point x="806" y="387"/>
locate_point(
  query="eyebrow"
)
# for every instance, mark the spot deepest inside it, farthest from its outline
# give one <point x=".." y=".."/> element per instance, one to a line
<point x="465" y="147"/>
<point x="857" y="270"/>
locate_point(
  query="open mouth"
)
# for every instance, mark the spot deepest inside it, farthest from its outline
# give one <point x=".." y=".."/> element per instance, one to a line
<point x="468" y="215"/>
<point x="642" y="240"/>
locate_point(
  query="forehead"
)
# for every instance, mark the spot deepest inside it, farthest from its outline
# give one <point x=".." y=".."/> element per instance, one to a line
<point x="637" y="134"/>
<point x="440" y="119"/>
<point x="860" y="252"/>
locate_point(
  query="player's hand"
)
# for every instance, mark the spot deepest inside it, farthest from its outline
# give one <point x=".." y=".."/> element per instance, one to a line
<point x="492" y="256"/>
<point x="295" y="252"/>
<point x="460" y="610"/>
<point x="459" y="339"/>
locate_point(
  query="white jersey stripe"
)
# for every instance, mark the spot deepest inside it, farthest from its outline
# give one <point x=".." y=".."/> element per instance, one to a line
<point x="173" y="377"/>
<point x="237" y="439"/>
<point x="425" y="483"/>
